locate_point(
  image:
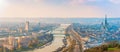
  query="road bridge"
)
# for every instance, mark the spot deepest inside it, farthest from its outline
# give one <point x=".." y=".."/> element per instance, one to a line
<point x="59" y="34"/>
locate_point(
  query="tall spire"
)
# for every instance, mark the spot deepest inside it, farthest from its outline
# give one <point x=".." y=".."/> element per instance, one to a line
<point x="106" y="23"/>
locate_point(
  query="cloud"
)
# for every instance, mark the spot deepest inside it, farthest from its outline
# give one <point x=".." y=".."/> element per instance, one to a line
<point x="51" y="11"/>
<point x="40" y="8"/>
<point x="81" y="1"/>
<point x="26" y="2"/>
<point x="3" y="5"/>
<point x="115" y="1"/>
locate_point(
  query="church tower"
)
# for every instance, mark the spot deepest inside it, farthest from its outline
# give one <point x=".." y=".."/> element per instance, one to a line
<point x="105" y="24"/>
<point x="27" y="26"/>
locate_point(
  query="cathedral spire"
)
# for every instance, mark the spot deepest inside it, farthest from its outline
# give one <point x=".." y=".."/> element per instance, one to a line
<point x="106" y="23"/>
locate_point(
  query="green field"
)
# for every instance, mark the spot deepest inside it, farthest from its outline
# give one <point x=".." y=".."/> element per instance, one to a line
<point x="112" y="49"/>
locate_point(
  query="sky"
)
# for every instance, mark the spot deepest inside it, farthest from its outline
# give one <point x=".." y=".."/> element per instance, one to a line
<point x="59" y="8"/>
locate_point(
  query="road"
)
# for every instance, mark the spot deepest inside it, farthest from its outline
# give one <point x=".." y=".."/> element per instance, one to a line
<point x="57" y="42"/>
<point x="77" y="38"/>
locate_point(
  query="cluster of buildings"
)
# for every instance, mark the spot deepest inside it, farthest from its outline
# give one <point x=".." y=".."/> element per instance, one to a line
<point x="14" y="28"/>
<point x="12" y="42"/>
<point x="15" y="41"/>
<point x="25" y="29"/>
<point x="16" y="36"/>
<point x="98" y="33"/>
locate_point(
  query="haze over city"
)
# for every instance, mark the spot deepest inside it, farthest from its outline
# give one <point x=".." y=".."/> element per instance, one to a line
<point x="59" y="8"/>
<point x="59" y="25"/>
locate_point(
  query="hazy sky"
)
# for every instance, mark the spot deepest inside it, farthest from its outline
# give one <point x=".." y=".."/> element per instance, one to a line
<point x="59" y="8"/>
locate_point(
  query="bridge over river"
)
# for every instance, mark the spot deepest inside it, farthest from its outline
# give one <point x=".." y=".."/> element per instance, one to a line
<point x="59" y="34"/>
